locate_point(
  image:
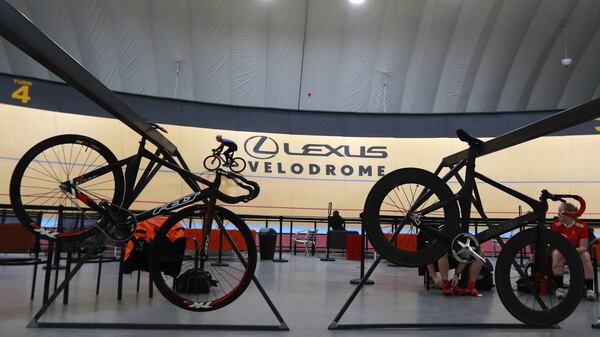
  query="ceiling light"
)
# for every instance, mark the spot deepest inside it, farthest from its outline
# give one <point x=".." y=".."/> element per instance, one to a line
<point x="357" y="2"/>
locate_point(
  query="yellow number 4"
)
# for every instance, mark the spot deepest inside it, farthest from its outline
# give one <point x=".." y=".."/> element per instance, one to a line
<point x="22" y="94"/>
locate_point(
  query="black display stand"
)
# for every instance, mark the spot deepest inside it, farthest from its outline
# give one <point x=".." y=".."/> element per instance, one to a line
<point x="23" y="34"/>
<point x="35" y="323"/>
<point x="336" y="326"/>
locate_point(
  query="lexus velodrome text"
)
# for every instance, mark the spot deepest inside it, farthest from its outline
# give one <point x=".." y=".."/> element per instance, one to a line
<point x="264" y="147"/>
<point x="316" y="169"/>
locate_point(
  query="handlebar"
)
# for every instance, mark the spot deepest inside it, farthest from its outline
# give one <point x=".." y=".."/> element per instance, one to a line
<point x="250" y="186"/>
<point x="562" y="197"/>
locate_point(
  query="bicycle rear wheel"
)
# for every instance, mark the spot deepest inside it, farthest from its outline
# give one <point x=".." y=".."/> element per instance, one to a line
<point x="410" y="201"/>
<point x="212" y="163"/>
<point x="35" y="193"/>
<point x="525" y="286"/>
<point x="238" y="165"/>
<point x="206" y="283"/>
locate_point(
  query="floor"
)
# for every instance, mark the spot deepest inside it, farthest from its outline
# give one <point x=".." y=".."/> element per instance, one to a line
<point x="307" y="292"/>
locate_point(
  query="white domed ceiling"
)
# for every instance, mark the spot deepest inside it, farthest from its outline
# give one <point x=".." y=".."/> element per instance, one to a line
<point x="381" y="56"/>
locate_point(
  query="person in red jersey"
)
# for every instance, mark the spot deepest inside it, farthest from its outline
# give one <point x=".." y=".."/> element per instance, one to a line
<point x="577" y="232"/>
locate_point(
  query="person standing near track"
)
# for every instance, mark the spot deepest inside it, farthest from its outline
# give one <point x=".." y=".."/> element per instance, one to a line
<point x="231" y="148"/>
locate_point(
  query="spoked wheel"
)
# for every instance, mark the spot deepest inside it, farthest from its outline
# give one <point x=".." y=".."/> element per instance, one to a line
<point x="238" y="165"/>
<point x="411" y="201"/>
<point x="203" y="283"/>
<point x="212" y="163"/>
<point x="525" y="284"/>
<point x="35" y="185"/>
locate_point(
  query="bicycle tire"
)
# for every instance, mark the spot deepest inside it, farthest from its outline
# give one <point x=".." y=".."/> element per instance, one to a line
<point x="517" y="302"/>
<point x="229" y="287"/>
<point x="390" y="191"/>
<point x="49" y="163"/>
<point x="239" y="164"/>
<point x="212" y="162"/>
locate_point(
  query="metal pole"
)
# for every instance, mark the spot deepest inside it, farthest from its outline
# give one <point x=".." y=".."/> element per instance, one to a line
<point x="67" y="272"/>
<point x="219" y="262"/>
<point x="362" y="279"/>
<point x="280" y="259"/>
<point x="327" y="258"/>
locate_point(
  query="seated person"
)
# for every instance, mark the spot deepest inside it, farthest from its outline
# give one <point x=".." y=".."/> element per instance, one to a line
<point x="577" y="232"/>
<point x="457" y="284"/>
<point x="336" y="222"/>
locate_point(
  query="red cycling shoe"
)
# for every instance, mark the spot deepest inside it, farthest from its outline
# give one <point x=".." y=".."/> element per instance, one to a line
<point x="471" y="290"/>
<point x="447" y="289"/>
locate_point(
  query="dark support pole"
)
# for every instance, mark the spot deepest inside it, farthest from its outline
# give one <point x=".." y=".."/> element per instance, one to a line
<point x="120" y="278"/>
<point x="280" y="259"/>
<point x="58" y="247"/>
<point x="290" y="238"/>
<point x="150" y="286"/>
<point x="219" y="262"/>
<point x="56" y="264"/>
<point x="327" y="258"/>
<point x="49" y="257"/>
<point x="67" y="271"/>
<point x="137" y="287"/>
<point x="35" y="265"/>
<point x="362" y="280"/>
<point x="314" y="247"/>
<point x="99" y="273"/>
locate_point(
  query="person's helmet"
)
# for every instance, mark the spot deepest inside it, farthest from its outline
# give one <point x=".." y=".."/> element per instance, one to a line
<point x="219" y="137"/>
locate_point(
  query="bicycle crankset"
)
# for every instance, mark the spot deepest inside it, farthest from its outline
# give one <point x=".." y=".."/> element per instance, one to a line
<point x="117" y="222"/>
<point x="465" y="248"/>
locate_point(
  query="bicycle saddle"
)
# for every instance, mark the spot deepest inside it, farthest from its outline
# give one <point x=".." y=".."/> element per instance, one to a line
<point x="467" y="138"/>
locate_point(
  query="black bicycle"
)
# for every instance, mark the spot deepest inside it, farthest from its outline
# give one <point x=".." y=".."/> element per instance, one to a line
<point x="92" y="191"/>
<point x="419" y="202"/>
<point x="216" y="160"/>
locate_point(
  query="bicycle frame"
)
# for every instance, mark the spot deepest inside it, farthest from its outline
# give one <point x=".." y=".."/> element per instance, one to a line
<point x="469" y="196"/>
<point x="132" y="190"/>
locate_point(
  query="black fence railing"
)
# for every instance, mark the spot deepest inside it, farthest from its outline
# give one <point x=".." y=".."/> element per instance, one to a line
<point x="286" y="226"/>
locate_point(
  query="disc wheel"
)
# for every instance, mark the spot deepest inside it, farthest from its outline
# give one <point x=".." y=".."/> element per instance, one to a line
<point x="230" y="277"/>
<point x="409" y="201"/>
<point x="525" y="285"/>
<point x="212" y="163"/>
<point x="238" y="165"/>
<point x="35" y="186"/>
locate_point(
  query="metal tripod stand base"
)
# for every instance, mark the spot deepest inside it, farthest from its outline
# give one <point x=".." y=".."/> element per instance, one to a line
<point x="358" y="280"/>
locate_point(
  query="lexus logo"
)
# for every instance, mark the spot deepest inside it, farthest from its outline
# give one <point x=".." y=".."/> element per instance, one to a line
<point x="261" y="147"/>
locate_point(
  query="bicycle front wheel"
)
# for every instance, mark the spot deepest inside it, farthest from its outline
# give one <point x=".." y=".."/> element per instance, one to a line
<point x="406" y="201"/>
<point x="238" y="165"/>
<point x="525" y="286"/>
<point x="209" y="281"/>
<point x="212" y="163"/>
<point x="42" y="206"/>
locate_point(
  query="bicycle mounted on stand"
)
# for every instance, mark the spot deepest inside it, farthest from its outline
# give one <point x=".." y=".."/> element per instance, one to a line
<point x="80" y="175"/>
<point x="420" y="201"/>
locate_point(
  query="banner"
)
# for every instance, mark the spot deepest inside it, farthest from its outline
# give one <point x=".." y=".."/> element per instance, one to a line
<point x="300" y="175"/>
